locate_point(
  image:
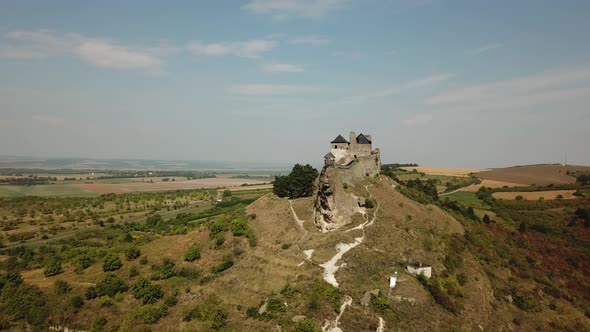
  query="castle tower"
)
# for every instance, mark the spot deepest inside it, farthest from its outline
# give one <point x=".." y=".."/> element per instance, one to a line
<point x="352" y="140"/>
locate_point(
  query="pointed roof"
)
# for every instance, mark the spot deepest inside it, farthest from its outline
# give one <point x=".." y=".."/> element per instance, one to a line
<point x="339" y="139"/>
<point x="329" y="155"/>
<point x="362" y="139"/>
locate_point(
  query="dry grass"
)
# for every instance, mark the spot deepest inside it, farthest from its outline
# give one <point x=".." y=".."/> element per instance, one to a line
<point x="535" y="195"/>
<point x="490" y="184"/>
<point x="119" y="188"/>
<point x="250" y="187"/>
<point x="528" y="175"/>
<point x="447" y="171"/>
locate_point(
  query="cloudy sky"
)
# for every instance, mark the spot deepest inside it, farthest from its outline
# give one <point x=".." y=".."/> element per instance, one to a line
<point x="442" y="83"/>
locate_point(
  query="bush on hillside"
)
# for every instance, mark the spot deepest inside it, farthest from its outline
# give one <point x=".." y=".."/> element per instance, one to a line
<point x="165" y="270"/>
<point x="146" y="291"/>
<point x="110" y="285"/>
<point x="53" y="268"/>
<point x="132" y="253"/>
<point x="193" y="253"/>
<point x="111" y="263"/>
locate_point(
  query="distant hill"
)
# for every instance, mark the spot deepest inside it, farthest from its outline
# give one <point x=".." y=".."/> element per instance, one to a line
<point x="134" y="164"/>
<point x="534" y="174"/>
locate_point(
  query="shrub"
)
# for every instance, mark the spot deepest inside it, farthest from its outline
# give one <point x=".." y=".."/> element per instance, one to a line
<point x="326" y="292"/>
<point x="143" y="260"/>
<point x="252" y="312"/>
<point x="369" y="204"/>
<point x="238" y="227"/>
<point x="133" y="272"/>
<point x="193" y="253"/>
<point x="306" y="325"/>
<point x="164" y="271"/>
<point x="91" y="293"/>
<point x="149" y="313"/>
<point x="110" y="285"/>
<point x="105" y="301"/>
<point x="288" y="291"/>
<point x="111" y="263"/>
<point x="189" y="272"/>
<point x="275" y="305"/>
<point x="62" y="287"/>
<point x="226" y="263"/>
<point x="170" y="300"/>
<point x="211" y="311"/>
<point x="76" y="301"/>
<point x="526" y="303"/>
<point x="146" y="291"/>
<point x="380" y="303"/>
<point x="132" y="253"/>
<point x="53" y="268"/>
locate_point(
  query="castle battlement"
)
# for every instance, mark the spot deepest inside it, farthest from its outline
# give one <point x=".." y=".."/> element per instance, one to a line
<point x="344" y="152"/>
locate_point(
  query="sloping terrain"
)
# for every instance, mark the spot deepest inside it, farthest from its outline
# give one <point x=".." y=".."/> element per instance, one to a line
<point x="535" y="174"/>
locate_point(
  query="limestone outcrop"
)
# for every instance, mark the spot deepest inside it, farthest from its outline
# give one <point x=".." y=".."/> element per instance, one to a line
<point x="347" y="164"/>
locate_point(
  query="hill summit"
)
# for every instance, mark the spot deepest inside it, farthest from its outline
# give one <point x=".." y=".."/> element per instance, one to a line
<point x="347" y="163"/>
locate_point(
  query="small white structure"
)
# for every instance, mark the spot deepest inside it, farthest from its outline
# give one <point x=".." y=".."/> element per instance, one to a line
<point x="419" y="268"/>
<point x="393" y="280"/>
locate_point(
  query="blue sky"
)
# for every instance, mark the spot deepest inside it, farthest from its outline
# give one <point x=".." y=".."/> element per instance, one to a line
<point x="442" y="83"/>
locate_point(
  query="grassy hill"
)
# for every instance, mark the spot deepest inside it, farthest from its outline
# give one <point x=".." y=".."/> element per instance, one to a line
<point x="262" y="265"/>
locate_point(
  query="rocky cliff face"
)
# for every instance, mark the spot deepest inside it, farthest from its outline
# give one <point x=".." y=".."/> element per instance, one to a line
<point x="334" y="206"/>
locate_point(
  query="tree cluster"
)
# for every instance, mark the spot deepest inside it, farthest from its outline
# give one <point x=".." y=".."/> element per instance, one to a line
<point x="299" y="183"/>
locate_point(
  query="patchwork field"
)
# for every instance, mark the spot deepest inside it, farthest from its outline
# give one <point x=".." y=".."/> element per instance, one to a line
<point x="491" y="184"/>
<point x="447" y="171"/>
<point x="45" y="190"/>
<point x="537" y="174"/>
<point x="535" y="195"/>
<point x="119" y="188"/>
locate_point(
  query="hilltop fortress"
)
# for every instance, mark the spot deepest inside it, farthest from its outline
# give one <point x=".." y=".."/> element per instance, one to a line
<point x="356" y="155"/>
<point x="347" y="164"/>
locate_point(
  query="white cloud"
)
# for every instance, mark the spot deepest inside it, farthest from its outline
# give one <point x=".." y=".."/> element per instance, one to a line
<point x="263" y="89"/>
<point x="538" y="89"/>
<point x="403" y="87"/>
<point x="485" y="48"/>
<point x="308" y="40"/>
<point x="349" y="55"/>
<point x="48" y="119"/>
<point x="98" y="52"/>
<point x="247" y="49"/>
<point x="107" y="55"/>
<point x="281" y="68"/>
<point x="280" y="9"/>
<point x="418" y="119"/>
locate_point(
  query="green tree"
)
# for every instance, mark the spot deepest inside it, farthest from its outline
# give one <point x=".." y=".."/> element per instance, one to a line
<point x="143" y="290"/>
<point x="110" y="285"/>
<point x="132" y="253"/>
<point x="299" y="183"/>
<point x="53" y="268"/>
<point x="111" y="263"/>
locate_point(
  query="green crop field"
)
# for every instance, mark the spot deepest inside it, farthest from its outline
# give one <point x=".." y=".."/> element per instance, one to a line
<point x="49" y="190"/>
<point x="467" y="198"/>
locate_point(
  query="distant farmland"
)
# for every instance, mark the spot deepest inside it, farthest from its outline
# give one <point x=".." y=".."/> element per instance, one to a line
<point x="120" y="186"/>
<point x="537" y="174"/>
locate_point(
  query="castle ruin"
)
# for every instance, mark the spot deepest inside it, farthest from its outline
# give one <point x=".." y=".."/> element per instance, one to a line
<point x="348" y="163"/>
